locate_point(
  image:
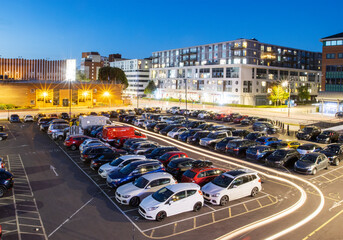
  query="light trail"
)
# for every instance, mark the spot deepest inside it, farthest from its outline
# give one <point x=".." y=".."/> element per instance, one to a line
<point x="266" y="220"/>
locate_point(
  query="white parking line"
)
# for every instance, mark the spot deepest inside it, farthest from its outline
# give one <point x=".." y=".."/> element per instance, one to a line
<point x="11" y="132"/>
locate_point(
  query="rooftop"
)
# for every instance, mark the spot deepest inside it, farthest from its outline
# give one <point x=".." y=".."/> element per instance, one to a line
<point x="338" y="35"/>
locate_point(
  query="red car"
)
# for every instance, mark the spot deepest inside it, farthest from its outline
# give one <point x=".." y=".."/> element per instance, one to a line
<point x="201" y="175"/>
<point x="168" y="156"/>
<point x="219" y="116"/>
<point x="240" y="118"/>
<point x="73" y="142"/>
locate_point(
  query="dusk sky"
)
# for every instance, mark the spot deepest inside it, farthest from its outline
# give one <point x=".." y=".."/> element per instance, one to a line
<point x="59" y="29"/>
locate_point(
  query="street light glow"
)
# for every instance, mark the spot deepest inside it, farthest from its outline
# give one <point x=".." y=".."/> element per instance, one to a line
<point x="45" y="94"/>
<point x="106" y="94"/>
<point x="284" y="83"/>
<point x="85" y="93"/>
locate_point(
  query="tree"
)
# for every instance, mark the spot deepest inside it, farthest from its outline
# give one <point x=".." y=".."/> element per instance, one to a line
<point x="303" y="93"/>
<point x="150" y="88"/>
<point x="80" y="76"/>
<point x="278" y="94"/>
<point x="113" y="74"/>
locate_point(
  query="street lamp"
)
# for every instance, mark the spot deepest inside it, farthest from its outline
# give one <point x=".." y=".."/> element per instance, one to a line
<point x="107" y="94"/>
<point x="45" y="94"/>
<point x="288" y="84"/>
<point x="186" y="98"/>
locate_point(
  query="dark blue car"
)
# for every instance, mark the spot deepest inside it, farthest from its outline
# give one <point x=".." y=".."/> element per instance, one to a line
<point x="183" y="136"/>
<point x="6" y="182"/>
<point x="132" y="171"/>
<point x="267" y="140"/>
<point x="258" y="153"/>
<point x="14" y="118"/>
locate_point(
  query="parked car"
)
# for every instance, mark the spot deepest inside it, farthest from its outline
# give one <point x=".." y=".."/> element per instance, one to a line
<point x="230" y="117"/>
<point x="219" y="116"/>
<point x="173" y="110"/>
<point x="106" y="156"/>
<point x="205" y="126"/>
<point x="240" y="133"/>
<point x="2" y="163"/>
<point x="240" y="118"/>
<point x="267" y="140"/>
<point x="168" y="128"/>
<point x="232" y="185"/>
<point x="97" y="151"/>
<point x="175" y="132"/>
<point x="143" y="147"/>
<point x="133" y="171"/>
<point x="238" y="147"/>
<point x="221" y="145"/>
<point x="113" y="114"/>
<point x="308" y="133"/>
<point x="254" y="135"/>
<point x="157" y="152"/>
<point x="308" y="148"/>
<point x="183" y="136"/>
<point x="2" y="128"/>
<point x="339" y="115"/>
<point x="73" y="142"/>
<point x="214" y="137"/>
<point x="334" y="153"/>
<point x="160" y="126"/>
<point x="28" y="118"/>
<point x="195" y="124"/>
<point x="311" y="163"/>
<point x="259" y="153"/>
<point x="327" y="136"/>
<point x="3" y="136"/>
<point x="168" y="156"/>
<point x="6" y="182"/>
<point x="14" y="118"/>
<point x="248" y="121"/>
<point x="65" y="116"/>
<point x="178" y="166"/>
<point x="90" y="142"/>
<point x="118" y="163"/>
<point x="134" y="192"/>
<point x="283" y="158"/>
<point x="201" y="175"/>
<point x="53" y="128"/>
<point x="138" y="111"/>
<point x="197" y="136"/>
<point x="139" y="122"/>
<point x="129" y="142"/>
<point x="265" y="127"/>
<point x="171" y="200"/>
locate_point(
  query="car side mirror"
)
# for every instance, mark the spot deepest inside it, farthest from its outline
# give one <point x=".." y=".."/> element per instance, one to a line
<point x="148" y="187"/>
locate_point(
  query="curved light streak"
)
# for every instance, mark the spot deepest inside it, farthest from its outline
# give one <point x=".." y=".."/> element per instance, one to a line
<point x="266" y="220"/>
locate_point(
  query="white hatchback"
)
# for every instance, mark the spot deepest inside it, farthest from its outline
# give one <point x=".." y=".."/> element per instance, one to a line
<point x="232" y="185"/>
<point x="117" y="163"/>
<point x="134" y="192"/>
<point x="176" y="132"/>
<point x="171" y="200"/>
<point x="28" y="118"/>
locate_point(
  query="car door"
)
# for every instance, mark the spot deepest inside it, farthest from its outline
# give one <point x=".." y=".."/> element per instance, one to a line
<point x="235" y="190"/>
<point x="177" y="204"/>
<point x="152" y="187"/>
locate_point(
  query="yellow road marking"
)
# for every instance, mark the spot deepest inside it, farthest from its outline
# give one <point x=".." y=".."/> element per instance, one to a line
<point x="175" y="225"/>
<point x="259" y="202"/>
<point x="323" y="225"/>
<point x="152" y="232"/>
<point x="229" y="212"/>
<point x="213" y="219"/>
<point x="195" y="223"/>
<point x="245" y="206"/>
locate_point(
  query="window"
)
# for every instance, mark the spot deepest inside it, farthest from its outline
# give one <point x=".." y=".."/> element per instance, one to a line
<point x="205" y="73"/>
<point x="179" y="196"/>
<point x="218" y="72"/>
<point x="340" y="55"/>
<point x="155" y="183"/>
<point x="232" y="72"/>
<point x="261" y="73"/>
<point x="202" y="174"/>
<point x="330" y="56"/>
<point x="191" y="192"/>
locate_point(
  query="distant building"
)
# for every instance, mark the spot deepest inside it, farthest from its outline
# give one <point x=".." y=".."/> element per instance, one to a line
<point x="137" y="74"/>
<point x="332" y="74"/>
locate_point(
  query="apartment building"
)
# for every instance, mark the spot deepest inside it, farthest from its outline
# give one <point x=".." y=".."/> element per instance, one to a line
<point x="239" y="72"/>
<point x="331" y="99"/>
<point x="137" y="74"/>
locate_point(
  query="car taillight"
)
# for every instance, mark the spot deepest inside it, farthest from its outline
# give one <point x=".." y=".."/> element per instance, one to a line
<point x="2" y="165"/>
<point x="235" y="149"/>
<point x="177" y="169"/>
<point x="163" y="168"/>
<point x="85" y="156"/>
<point x="200" y="192"/>
<point x="259" y="180"/>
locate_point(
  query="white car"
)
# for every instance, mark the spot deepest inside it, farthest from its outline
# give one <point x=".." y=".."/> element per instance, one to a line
<point x="232" y="185"/>
<point x="117" y="163"/>
<point x="28" y="118"/>
<point x="176" y="132"/>
<point x="203" y="115"/>
<point x="171" y="200"/>
<point x="163" y="118"/>
<point x="139" y="122"/>
<point x="146" y="122"/>
<point x="134" y="192"/>
<point x="89" y="142"/>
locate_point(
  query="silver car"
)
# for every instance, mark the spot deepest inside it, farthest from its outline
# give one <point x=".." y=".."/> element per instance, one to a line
<point x="310" y="163"/>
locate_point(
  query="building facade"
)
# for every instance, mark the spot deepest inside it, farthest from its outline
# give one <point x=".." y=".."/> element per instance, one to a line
<point x="238" y="72"/>
<point x="331" y="99"/>
<point x="137" y="74"/>
<point x="36" y="69"/>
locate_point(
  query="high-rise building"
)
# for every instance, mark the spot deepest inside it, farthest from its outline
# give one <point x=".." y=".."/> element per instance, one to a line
<point x="238" y="72"/>
<point x="331" y="98"/>
<point x="137" y="74"/>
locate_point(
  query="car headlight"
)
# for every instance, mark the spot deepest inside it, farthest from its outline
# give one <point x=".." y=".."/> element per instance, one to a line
<point x="126" y="196"/>
<point x="215" y="195"/>
<point x="115" y="180"/>
<point x="152" y="208"/>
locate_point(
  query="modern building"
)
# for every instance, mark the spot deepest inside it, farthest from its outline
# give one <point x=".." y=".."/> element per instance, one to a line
<point x="91" y="62"/>
<point x="234" y="72"/>
<point x="137" y="74"/>
<point x="36" y="69"/>
<point x="331" y="98"/>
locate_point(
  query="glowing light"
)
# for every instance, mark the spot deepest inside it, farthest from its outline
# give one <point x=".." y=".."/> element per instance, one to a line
<point x="85" y="94"/>
<point x="106" y="94"/>
<point x="284" y="83"/>
<point x="45" y="94"/>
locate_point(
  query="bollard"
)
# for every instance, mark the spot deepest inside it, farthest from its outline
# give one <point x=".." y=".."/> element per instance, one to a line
<point x="288" y="129"/>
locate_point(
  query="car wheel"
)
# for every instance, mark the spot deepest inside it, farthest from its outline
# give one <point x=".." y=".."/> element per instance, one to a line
<point x="161" y="216"/>
<point x="135" y="201"/>
<point x="254" y="191"/>
<point x="224" y="200"/>
<point x="314" y="171"/>
<point x="73" y="147"/>
<point x="2" y="191"/>
<point x="336" y="162"/>
<point x="327" y="166"/>
<point x="60" y="138"/>
<point x="197" y="207"/>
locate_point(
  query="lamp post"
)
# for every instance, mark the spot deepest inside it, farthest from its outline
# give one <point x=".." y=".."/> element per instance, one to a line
<point x="186" y="98"/>
<point x="70" y="100"/>
<point x="45" y="94"/>
<point x="288" y="84"/>
<point x="107" y="94"/>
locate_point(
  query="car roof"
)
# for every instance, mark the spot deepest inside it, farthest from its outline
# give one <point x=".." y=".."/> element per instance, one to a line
<point x="316" y="154"/>
<point x="238" y="172"/>
<point x="182" y="186"/>
<point x="156" y="175"/>
<point x="144" y="161"/>
<point x="179" y="160"/>
<point x="174" y="152"/>
<point x="127" y="157"/>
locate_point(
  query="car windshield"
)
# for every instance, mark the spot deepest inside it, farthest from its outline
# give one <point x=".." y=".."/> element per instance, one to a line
<point x="185" y="133"/>
<point x="251" y="136"/>
<point x="308" y="129"/>
<point x="309" y="158"/>
<point x="269" y="125"/>
<point x="162" y="194"/>
<point x="306" y="147"/>
<point x="222" y="181"/>
<point x="140" y="182"/>
<point x="233" y="144"/>
<point x="190" y="174"/>
<point x="332" y="148"/>
<point x="127" y="169"/>
<point x="279" y="153"/>
<point x="116" y="162"/>
<point x="212" y="135"/>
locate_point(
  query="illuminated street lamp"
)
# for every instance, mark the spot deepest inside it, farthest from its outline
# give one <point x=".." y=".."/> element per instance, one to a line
<point x="107" y="95"/>
<point x="287" y="84"/>
<point x="70" y="77"/>
<point x="45" y="94"/>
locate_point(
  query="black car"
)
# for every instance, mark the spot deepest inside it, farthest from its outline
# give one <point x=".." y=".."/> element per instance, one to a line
<point x="283" y="158"/>
<point x="151" y="126"/>
<point x="254" y="135"/>
<point x="308" y="133"/>
<point x="264" y="120"/>
<point x="160" y="126"/>
<point x="14" y="118"/>
<point x="259" y="153"/>
<point x="221" y="146"/>
<point x="196" y="137"/>
<point x="205" y="126"/>
<point x="249" y="121"/>
<point x="3" y="136"/>
<point x="195" y="113"/>
<point x="334" y="152"/>
<point x="327" y="136"/>
<point x="339" y="115"/>
<point x="168" y="128"/>
<point x="97" y="151"/>
<point x="107" y="156"/>
<point x="308" y="148"/>
<point x="129" y="142"/>
<point x="238" y="147"/>
<point x="178" y="166"/>
<point x="6" y="182"/>
<point x="240" y="133"/>
<point x="138" y="111"/>
<point x="265" y="127"/>
<point x="157" y="152"/>
<point x="121" y="117"/>
<point x="113" y="114"/>
<point x="129" y="119"/>
<point x="64" y="116"/>
<point x="183" y="136"/>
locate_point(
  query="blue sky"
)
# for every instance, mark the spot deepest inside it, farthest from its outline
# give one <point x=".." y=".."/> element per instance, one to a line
<point x="59" y="29"/>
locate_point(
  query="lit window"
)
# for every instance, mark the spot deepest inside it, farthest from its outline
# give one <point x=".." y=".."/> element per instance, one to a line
<point x="269" y="49"/>
<point x="333" y="43"/>
<point x="339" y="42"/>
<point x="245" y="44"/>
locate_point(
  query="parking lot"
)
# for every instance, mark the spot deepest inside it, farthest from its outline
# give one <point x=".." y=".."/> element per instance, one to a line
<point x="56" y="195"/>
